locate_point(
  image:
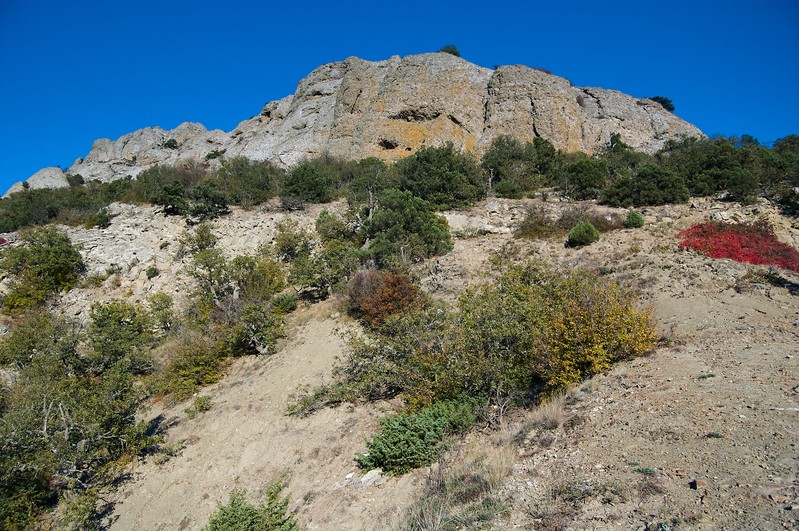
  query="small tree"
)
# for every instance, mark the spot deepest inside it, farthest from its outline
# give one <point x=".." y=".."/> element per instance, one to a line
<point x="582" y="234"/>
<point x="584" y="177"/>
<point x="450" y="49"/>
<point x="634" y="220"/>
<point x="664" y="102"/>
<point x="307" y="182"/>
<point x="44" y="264"/>
<point x="241" y="515"/>
<point x="443" y="176"/>
<point x="405" y="227"/>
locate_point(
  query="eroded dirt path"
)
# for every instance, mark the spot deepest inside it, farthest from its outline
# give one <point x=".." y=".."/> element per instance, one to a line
<point x="247" y="440"/>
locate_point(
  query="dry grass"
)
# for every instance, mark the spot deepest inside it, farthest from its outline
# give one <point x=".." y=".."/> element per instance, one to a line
<point x="551" y="414"/>
<point x="462" y="488"/>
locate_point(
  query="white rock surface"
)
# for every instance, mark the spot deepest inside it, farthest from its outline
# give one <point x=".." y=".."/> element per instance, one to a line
<point x="52" y="177"/>
<point x="388" y="109"/>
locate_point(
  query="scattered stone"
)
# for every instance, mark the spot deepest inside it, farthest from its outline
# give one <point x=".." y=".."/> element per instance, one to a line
<point x="370" y="477"/>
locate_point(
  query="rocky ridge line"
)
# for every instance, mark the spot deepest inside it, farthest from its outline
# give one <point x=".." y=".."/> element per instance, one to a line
<point x="388" y="109"/>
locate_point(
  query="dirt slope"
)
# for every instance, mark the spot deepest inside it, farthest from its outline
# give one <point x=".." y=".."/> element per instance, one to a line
<point x="246" y="438"/>
<point x="701" y="434"/>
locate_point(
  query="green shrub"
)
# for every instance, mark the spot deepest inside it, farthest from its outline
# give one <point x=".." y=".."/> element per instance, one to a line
<point x="214" y="154"/>
<point x="411" y="440"/>
<point x="101" y="219"/>
<point x="250" y="182"/>
<point x="307" y="182"/>
<point x="118" y="330"/>
<point x="256" y="331"/>
<point x="291" y="241"/>
<point x="151" y="183"/>
<point x="172" y="198"/>
<point x="450" y="49"/>
<point x="207" y="200"/>
<point x="404" y="228"/>
<point x="442" y="176"/>
<point x="366" y="179"/>
<point x="72" y="206"/>
<point x="634" y="220"/>
<point x="196" y="362"/>
<point x="285" y="303"/>
<point x="199" y="239"/>
<point x="531" y="330"/>
<point x="652" y="185"/>
<point x="326" y="269"/>
<point x="63" y="423"/>
<point x="46" y="262"/>
<point x="331" y="227"/>
<point x="152" y="272"/>
<point x="257" y="278"/>
<point x="241" y="515"/>
<point x="516" y="168"/>
<point x="584" y="177"/>
<point x="664" y="102"/>
<point x="201" y="404"/>
<point x="160" y="305"/>
<point x="509" y="189"/>
<point x="584" y="233"/>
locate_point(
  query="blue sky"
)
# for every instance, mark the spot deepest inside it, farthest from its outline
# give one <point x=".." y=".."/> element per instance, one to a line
<point x="71" y="72"/>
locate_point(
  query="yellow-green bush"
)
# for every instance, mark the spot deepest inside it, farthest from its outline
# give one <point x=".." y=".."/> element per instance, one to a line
<point x="46" y="262"/>
<point x="533" y="330"/>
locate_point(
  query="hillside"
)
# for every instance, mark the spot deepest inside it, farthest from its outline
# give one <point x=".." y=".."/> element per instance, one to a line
<point x="593" y="324"/>
<point x="355" y="109"/>
<point x="710" y="417"/>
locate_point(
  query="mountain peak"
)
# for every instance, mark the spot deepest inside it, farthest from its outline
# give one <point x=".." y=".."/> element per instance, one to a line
<point x="388" y="109"/>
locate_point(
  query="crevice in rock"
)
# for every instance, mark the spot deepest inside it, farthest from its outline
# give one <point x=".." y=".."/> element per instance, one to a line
<point x="416" y="115"/>
<point x="588" y="93"/>
<point x="354" y="103"/>
<point x="454" y="120"/>
<point x="387" y="144"/>
<point x="486" y="112"/>
<point x="534" y="114"/>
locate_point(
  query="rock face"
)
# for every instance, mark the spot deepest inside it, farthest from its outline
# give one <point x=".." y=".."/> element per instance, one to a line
<point x="52" y="177"/>
<point x="135" y="152"/>
<point x="388" y="109"/>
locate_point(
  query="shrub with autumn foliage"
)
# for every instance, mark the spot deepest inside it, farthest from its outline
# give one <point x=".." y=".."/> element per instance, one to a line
<point x="753" y="243"/>
<point x="376" y="295"/>
<point x="532" y="330"/>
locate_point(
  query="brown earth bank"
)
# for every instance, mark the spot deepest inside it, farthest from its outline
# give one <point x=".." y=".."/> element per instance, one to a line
<point x="700" y="434"/>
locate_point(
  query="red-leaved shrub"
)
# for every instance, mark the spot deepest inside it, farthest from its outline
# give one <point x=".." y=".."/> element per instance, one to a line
<point x="754" y="243"/>
<point x="375" y="295"/>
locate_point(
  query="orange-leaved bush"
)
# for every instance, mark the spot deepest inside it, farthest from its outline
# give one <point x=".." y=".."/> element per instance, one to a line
<point x="376" y="295"/>
<point x="753" y="243"/>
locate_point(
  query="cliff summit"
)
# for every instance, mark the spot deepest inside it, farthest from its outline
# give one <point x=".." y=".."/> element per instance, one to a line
<point x="388" y="109"/>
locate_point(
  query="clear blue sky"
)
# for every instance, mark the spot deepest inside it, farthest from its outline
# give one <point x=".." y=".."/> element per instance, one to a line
<point x="71" y="72"/>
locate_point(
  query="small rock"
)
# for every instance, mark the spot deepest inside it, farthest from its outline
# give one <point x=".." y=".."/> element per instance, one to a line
<point x="779" y="498"/>
<point x="697" y="484"/>
<point x="370" y="477"/>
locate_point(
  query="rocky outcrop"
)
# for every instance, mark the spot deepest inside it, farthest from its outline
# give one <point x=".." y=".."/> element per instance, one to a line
<point x="135" y="152"/>
<point x="52" y="177"/>
<point x="388" y="109"/>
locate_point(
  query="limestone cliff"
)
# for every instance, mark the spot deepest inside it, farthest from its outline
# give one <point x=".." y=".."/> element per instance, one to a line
<point x="388" y="109"/>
